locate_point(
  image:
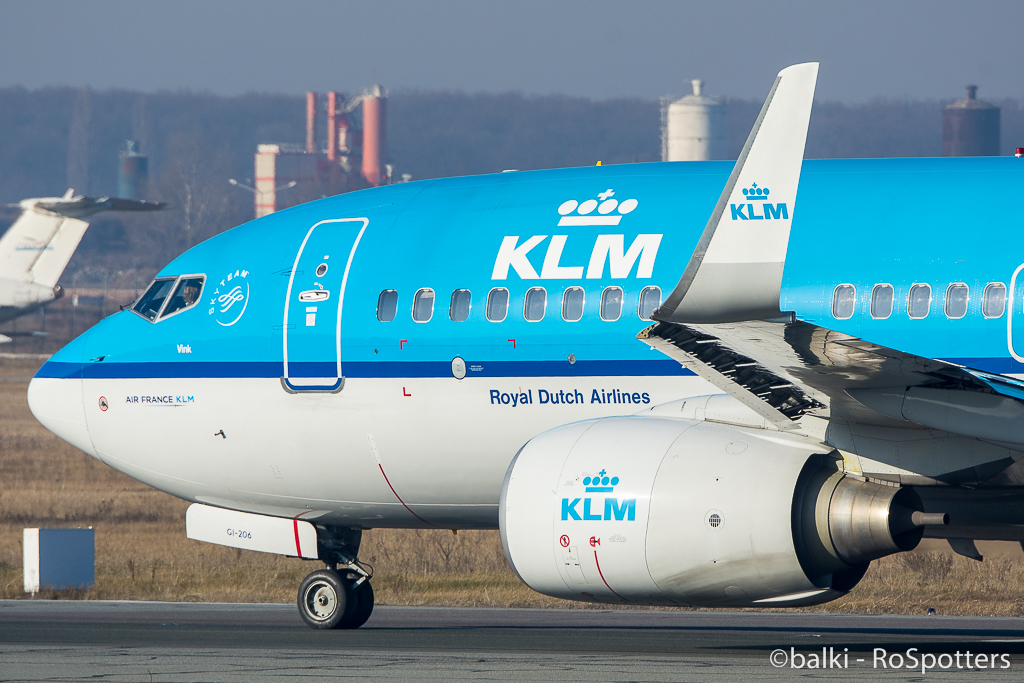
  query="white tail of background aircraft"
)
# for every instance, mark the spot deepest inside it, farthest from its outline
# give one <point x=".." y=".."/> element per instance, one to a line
<point x="36" y="249"/>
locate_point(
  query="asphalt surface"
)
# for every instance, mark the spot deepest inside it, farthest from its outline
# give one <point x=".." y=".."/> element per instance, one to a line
<point x="143" y="641"/>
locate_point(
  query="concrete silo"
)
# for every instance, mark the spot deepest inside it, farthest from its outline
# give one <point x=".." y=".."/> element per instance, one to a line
<point x="694" y="128"/>
<point x="970" y="127"/>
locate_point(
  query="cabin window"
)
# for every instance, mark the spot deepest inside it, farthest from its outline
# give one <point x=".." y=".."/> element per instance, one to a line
<point x="423" y="305"/>
<point x="387" y="305"/>
<point x="881" y="301"/>
<point x="957" y="295"/>
<point x="459" y="308"/>
<point x="919" y="301"/>
<point x="497" y="304"/>
<point x="150" y="303"/>
<point x="572" y="304"/>
<point x="993" y="302"/>
<point x="536" y="304"/>
<point x="844" y="300"/>
<point x="650" y="299"/>
<point x="186" y="295"/>
<point x="611" y="303"/>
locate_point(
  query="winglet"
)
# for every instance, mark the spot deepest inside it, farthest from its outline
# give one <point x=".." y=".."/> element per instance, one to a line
<point x="735" y="272"/>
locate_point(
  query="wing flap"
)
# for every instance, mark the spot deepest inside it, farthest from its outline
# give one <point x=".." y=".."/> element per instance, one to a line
<point x="772" y="396"/>
<point x="794" y="369"/>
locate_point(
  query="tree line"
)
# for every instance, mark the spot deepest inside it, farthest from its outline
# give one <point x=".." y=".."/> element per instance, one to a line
<point x="55" y="138"/>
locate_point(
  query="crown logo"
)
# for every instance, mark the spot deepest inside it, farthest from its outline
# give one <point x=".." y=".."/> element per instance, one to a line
<point x="609" y="211"/>
<point x="756" y="192"/>
<point x="602" y="483"/>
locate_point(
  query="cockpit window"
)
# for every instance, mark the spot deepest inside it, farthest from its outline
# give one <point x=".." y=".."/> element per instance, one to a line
<point x="186" y="294"/>
<point x="149" y="305"/>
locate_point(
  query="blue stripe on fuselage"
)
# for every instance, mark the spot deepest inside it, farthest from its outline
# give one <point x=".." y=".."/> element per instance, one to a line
<point x="402" y="369"/>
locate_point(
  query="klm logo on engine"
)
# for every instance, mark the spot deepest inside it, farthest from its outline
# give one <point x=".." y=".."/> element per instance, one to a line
<point x="608" y="253"/>
<point x="757" y="200"/>
<point x="591" y="509"/>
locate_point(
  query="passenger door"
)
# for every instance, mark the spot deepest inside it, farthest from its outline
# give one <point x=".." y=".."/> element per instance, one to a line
<point x="314" y="303"/>
<point x="1015" y="315"/>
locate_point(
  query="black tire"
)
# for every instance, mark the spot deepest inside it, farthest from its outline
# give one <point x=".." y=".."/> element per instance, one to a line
<point x="364" y="606"/>
<point x="325" y="600"/>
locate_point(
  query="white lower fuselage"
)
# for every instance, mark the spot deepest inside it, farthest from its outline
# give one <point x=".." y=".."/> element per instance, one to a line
<point x="394" y="452"/>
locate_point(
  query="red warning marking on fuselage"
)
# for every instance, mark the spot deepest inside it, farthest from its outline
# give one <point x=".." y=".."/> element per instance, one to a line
<point x="388" y="482"/>
<point x="298" y="546"/>
<point x="564" y="540"/>
<point x="513" y="343"/>
<point x="594" y="541"/>
<point x="601" y="574"/>
<point x="402" y="343"/>
<point x="405" y="393"/>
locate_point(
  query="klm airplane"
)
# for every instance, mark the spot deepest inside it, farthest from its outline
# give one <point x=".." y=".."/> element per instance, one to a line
<point x="666" y="384"/>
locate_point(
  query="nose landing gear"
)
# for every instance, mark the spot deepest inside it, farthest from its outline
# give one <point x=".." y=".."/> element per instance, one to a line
<point x="339" y="596"/>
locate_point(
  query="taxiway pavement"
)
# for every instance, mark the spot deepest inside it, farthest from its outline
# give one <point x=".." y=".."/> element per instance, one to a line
<point x="132" y="641"/>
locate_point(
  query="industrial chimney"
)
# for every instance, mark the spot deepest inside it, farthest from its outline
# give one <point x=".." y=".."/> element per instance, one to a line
<point x="374" y="156"/>
<point x="333" y="100"/>
<point x="311" y="123"/>
<point x="970" y="127"/>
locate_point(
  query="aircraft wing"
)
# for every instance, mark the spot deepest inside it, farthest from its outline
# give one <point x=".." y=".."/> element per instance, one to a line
<point x="787" y="369"/>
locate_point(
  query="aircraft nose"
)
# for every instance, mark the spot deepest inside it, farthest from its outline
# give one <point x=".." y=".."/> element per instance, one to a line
<point x="56" y="401"/>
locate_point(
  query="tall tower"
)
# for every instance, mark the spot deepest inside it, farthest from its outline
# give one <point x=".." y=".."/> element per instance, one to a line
<point x="970" y="127"/>
<point x="695" y="128"/>
<point x="133" y="172"/>
<point x="374" y="124"/>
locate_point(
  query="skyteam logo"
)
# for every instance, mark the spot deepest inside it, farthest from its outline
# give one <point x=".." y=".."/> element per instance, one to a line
<point x="230" y="298"/>
<point x="609" y="210"/>
<point x="758" y="197"/>
<point x="623" y="509"/>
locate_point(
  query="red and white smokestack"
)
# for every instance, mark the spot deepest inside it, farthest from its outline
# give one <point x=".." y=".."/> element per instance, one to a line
<point x="343" y="134"/>
<point x="332" y="126"/>
<point x="373" y="136"/>
<point x="311" y="122"/>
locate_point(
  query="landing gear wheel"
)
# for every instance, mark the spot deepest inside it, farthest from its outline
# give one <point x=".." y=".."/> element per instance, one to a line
<point x="364" y="605"/>
<point x="325" y="600"/>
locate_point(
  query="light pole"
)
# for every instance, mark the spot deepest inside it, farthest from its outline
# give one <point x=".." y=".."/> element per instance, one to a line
<point x="258" y="194"/>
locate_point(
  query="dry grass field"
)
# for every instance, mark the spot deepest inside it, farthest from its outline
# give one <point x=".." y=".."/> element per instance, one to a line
<point x="142" y="552"/>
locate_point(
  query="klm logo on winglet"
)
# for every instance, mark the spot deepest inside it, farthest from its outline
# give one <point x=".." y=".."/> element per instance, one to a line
<point x="609" y="253"/>
<point x="757" y="197"/>
<point x="583" y="509"/>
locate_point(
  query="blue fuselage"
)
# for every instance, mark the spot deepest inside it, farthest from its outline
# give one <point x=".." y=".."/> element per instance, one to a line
<point x="897" y="222"/>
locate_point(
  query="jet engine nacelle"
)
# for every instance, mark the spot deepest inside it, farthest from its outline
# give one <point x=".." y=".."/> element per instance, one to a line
<point x="670" y="511"/>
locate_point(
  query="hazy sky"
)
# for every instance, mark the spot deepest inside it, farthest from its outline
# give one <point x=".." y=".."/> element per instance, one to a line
<point x="598" y="48"/>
